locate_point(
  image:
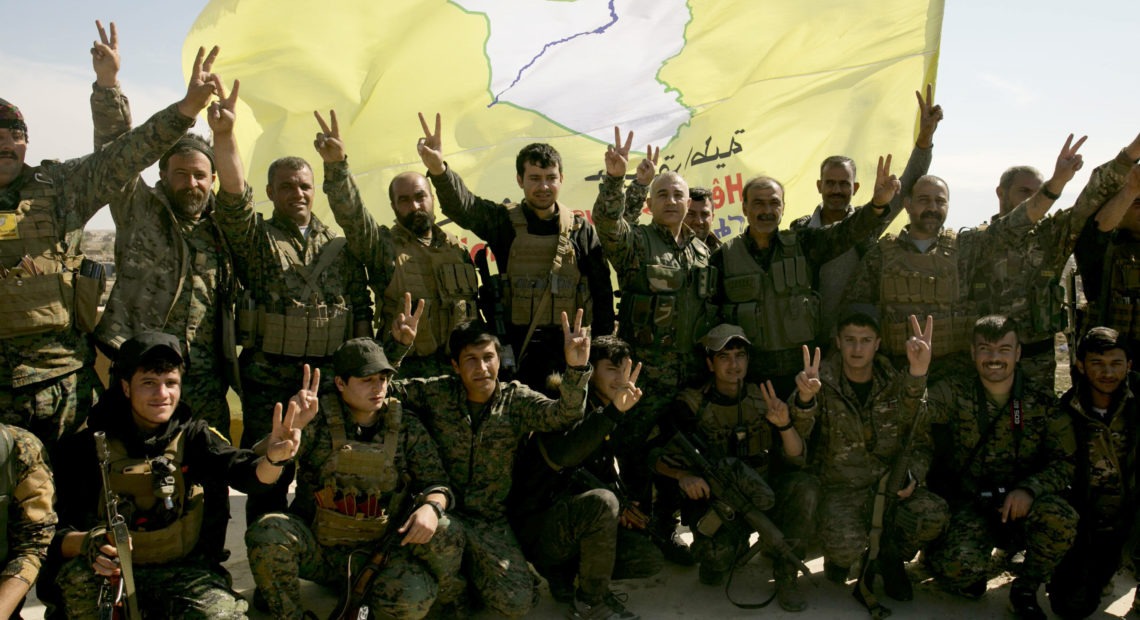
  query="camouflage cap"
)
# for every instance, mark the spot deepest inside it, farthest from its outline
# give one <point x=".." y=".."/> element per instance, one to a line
<point x="719" y="336"/>
<point x="144" y="345"/>
<point x="11" y="118"/>
<point x="360" y="357"/>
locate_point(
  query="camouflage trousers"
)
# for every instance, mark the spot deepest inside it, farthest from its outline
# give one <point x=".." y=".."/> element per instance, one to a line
<point x="183" y="589"/>
<point x="962" y="555"/>
<point x="845" y="522"/>
<point x="205" y="390"/>
<point x="793" y="511"/>
<point x="282" y="549"/>
<point x="1075" y="587"/>
<point x="51" y="409"/>
<point x="585" y="527"/>
<point x="494" y="562"/>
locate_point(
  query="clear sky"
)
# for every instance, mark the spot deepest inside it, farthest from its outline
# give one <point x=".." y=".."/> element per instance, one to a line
<point x="1015" y="77"/>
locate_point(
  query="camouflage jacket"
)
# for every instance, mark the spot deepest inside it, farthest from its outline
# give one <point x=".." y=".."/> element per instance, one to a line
<point x="31" y="519"/>
<point x="417" y="458"/>
<point x="856" y="443"/>
<point x="1022" y="280"/>
<point x="1106" y="454"/>
<point x="269" y="255"/>
<point x="83" y="186"/>
<point x="478" y="442"/>
<point x="1037" y="457"/>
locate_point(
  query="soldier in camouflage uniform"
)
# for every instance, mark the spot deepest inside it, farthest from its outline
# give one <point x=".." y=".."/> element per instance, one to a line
<point x="174" y="270"/>
<point x="304" y="294"/>
<point x="161" y="459"/>
<point x="748" y="426"/>
<point x="568" y="505"/>
<point x="477" y="423"/>
<point x="29" y="520"/>
<point x="865" y="414"/>
<point x="929" y="270"/>
<point x="1106" y="418"/>
<point x="46" y="379"/>
<point x="415" y="256"/>
<point x="1023" y="281"/>
<point x="550" y="258"/>
<point x="699" y="216"/>
<point x="344" y="505"/>
<point x="1003" y="454"/>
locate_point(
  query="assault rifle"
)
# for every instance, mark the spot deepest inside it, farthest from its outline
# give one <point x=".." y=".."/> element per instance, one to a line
<point x="491" y="304"/>
<point x="732" y="503"/>
<point x="117" y="597"/>
<point x="631" y="511"/>
<point x="352" y="603"/>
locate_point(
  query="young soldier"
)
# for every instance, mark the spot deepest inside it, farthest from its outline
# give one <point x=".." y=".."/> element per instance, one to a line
<point x="866" y="415"/>
<point x="751" y="428"/>
<point x="1105" y="414"/>
<point x="161" y="460"/>
<point x="1004" y="453"/>
<point x="568" y="506"/>
<point x="477" y="423"/>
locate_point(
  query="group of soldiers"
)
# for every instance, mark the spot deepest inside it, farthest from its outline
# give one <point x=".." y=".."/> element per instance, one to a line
<point x="860" y="395"/>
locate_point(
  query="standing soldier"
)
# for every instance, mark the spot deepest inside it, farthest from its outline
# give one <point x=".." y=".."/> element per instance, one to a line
<point x="550" y="259"/>
<point x="929" y="270"/>
<point x="1106" y="417"/>
<point x="867" y="417"/>
<point x="415" y="256"/>
<point x="303" y="294"/>
<point x="1023" y="281"/>
<point x="477" y="423"/>
<point x="47" y="380"/>
<point x="1003" y="454"/>
<point x="362" y="461"/>
<point x="699" y="216"/>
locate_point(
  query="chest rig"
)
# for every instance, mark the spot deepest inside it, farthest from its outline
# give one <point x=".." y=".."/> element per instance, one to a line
<point x="1118" y="305"/>
<point x="1018" y="283"/>
<point x="544" y="278"/>
<point x="738" y="428"/>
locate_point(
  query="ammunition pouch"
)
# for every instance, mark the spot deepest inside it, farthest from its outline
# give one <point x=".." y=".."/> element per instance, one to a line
<point x="778" y="309"/>
<point x="174" y="541"/>
<point x="332" y="528"/>
<point x="955" y="334"/>
<point x="674" y="311"/>
<point x="302" y="330"/>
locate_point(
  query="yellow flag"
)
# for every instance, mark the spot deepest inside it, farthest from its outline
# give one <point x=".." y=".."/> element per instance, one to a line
<point x="727" y="89"/>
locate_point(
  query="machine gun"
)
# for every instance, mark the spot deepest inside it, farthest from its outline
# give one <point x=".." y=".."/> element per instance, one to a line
<point x="352" y="604"/>
<point x="493" y="309"/>
<point x="117" y="597"/>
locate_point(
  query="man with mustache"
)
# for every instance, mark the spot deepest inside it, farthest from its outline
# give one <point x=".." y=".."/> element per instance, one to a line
<point x="837" y="185"/>
<point x="1023" y="281"/>
<point x="1003" y="454"/>
<point x="929" y="270"/>
<point x="415" y="256"/>
<point x="50" y="292"/>
<point x="303" y="293"/>
<point x="550" y="259"/>
<point x="699" y="217"/>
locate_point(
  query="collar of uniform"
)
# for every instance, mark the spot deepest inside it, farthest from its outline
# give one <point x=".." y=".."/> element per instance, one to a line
<point x="687" y="234"/>
<point x="288" y="225"/>
<point x="904" y="237"/>
<point x="401" y="233"/>
<point x="816" y="220"/>
<point x="1077" y="398"/>
<point x="754" y="248"/>
<point x="533" y="221"/>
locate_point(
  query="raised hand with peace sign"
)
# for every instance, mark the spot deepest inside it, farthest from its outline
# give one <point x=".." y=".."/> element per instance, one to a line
<point x="328" y="142"/>
<point x="406" y="323"/>
<point x="105" y="57"/>
<point x="576" y="341"/>
<point x="807" y="381"/>
<point x="307" y="398"/>
<point x="918" y="347"/>
<point x="647" y="169"/>
<point x="886" y="184"/>
<point x="617" y="155"/>
<point x="629" y="394"/>
<point x="430" y="147"/>
<point x="929" y="115"/>
<point x="203" y="84"/>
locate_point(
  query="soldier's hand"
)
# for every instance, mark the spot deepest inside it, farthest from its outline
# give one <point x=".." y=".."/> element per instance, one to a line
<point x="1069" y="161"/>
<point x="886" y="184"/>
<point x="430" y="147"/>
<point x="909" y="490"/>
<point x="285" y="439"/>
<point x="222" y="112"/>
<point x="629" y="394"/>
<point x="647" y="169"/>
<point x="420" y="526"/>
<point x="1016" y="505"/>
<point x="575" y="342"/>
<point x="807" y="381"/>
<point x="328" y="142"/>
<point x="918" y="347"/>
<point x="407" y="323"/>
<point x="617" y="155"/>
<point x="203" y="84"/>
<point x="307" y="399"/>
<point x="929" y="115"/>
<point x="1132" y="181"/>
<point x="777" y="409"/>
<point x="105" y="56"/>
<point x="106" y="562"/>
<point x="694" y="487"/>
<point x="632" y="518"/>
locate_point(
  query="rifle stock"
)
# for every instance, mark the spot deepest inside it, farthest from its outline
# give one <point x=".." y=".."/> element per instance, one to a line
<point x="491" y="304"/>
<point x="351" y="605"/>
<point x="121" y="595"/>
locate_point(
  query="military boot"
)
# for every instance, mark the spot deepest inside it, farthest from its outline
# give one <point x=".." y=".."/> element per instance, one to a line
<point x="1023" y="599"/>
<point x="896" y="583"/>
<point x="788" y="593"/>
<point x="835" y="573"/>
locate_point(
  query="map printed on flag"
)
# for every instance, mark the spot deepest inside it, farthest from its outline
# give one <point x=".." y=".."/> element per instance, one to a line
<point x="727" y="90"/>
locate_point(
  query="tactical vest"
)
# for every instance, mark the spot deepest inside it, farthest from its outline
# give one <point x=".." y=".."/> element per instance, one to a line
<point x="7" y="486"/>
<point x="1118" y="305"/>
<point x="923" y="284"/>
<point x="358" y="477"/>
<point x="441" y="277"/>
<point x="160" y="532"/>
<point x="778" y="308"/>
<point x="1015" y="284"/>
<point x="52" y="299"/>
<point x="662" y="303"/>
<point x="739" y="429"/>
<point x="543" y="276"/>
<point x="308" y="326"/>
